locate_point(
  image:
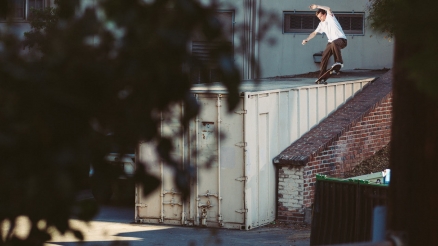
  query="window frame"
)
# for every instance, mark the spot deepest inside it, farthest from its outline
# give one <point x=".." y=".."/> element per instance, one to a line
<point x="26" y="12"/>
<point x="312" y="13"/>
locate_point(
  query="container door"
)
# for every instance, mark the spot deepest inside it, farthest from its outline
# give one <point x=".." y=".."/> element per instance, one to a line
<point x="220" y="182"/>
<point x="165" y="204"/>
<point x="261" y="134"/>
<point x="267" y="139"/>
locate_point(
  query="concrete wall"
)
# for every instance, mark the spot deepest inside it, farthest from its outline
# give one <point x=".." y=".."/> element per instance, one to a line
<point x="288" y="56"/>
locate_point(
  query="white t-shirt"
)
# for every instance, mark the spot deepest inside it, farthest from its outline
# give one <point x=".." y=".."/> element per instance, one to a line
<point x="331" y="28"/>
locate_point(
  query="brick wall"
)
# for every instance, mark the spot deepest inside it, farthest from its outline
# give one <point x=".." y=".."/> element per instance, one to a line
<point x="350" y="135"/>
<point x="360" y="142"/>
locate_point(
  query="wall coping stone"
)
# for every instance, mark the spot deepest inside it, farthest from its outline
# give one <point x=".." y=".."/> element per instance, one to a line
<point x="300" y="152"/>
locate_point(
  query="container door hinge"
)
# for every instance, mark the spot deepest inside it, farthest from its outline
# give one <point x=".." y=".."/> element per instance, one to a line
<point x="141" y="205"/>
<point x="244" y="178"/>
<point x="242" y="211"/>
<point x="241" y="112"/>
<point x="241" y="144"/>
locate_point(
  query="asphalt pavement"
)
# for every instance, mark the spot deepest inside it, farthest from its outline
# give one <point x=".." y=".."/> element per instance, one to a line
<point x="114" y="225"/>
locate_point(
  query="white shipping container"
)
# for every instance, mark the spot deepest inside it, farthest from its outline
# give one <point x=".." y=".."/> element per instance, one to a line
<point x="238" y="190"/>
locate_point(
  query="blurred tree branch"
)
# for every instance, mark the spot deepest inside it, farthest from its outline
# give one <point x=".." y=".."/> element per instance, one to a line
<point x="93" y="81"/>
<point x="381" y="16"/>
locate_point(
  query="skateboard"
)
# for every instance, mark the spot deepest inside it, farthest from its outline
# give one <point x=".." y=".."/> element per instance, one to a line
<point x="327" y="74"/>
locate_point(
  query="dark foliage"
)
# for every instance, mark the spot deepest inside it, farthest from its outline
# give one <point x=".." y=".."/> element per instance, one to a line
<point x="376" y="163"/>
<point x="381" y="16"/>
<point x="90" y="82"/>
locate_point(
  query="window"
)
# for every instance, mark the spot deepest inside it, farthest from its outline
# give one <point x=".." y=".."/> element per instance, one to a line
<point x="307" y="22"/>
<point x="202" y="50"/>
<point x="21" y="8"/>
<point x="300" y="22"/>
<point x="351" y="23"/>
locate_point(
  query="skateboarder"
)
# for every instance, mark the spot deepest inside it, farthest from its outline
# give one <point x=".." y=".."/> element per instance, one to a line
<point x="336" y="37"/>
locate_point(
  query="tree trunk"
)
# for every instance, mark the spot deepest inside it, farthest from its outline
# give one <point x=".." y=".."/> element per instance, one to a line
<point x="413" y="198"/>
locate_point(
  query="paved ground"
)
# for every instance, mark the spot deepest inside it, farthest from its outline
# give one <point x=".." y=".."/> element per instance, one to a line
<point x="114" y="226"/>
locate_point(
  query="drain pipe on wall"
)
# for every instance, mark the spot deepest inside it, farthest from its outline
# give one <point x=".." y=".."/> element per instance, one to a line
<point x="245" y="158"/>
<point x="256" y="39"/>
<point x="219" y="120"/>
<point x="197" y="164"/>
<point x="184" y="162"/>
<point x="137" y="191"/>
<point x="162" y="178"/>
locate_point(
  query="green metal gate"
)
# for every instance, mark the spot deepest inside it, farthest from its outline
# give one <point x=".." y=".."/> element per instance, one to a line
<point x="343" y="210"/>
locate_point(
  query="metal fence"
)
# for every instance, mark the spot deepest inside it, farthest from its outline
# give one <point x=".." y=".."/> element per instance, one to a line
<point x="343" y="210"/>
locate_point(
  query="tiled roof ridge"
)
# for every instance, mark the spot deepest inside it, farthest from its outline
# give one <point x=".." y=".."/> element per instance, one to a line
<point x="352" y="112"/>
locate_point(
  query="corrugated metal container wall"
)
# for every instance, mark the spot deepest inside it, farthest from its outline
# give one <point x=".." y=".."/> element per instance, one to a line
<point x="238" y="190"/>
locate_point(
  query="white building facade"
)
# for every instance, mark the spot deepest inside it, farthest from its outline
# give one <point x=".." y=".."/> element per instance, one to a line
<point x="281" y="53"/>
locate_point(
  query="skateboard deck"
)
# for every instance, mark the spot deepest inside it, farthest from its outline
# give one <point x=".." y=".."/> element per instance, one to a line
<point x="327" y="74"/>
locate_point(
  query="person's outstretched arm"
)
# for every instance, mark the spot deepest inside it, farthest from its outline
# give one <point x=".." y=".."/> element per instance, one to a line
<point x="312" y="35"/>
<point x="314" y="6"/>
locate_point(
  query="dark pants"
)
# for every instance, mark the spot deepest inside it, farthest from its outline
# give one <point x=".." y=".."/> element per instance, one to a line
<point x="333" y="48"/>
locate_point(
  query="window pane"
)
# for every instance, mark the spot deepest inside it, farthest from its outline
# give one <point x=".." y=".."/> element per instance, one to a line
<point x="295" y="22"/>
<point x="36" y="4"/>
<point x="303" y="22"/>
<point x="345" y="23"/>
<point x="203" y="52"/>
<point x="19" y="6"/>
<point x="308" y="22"/>
<point x="356" y="23"/>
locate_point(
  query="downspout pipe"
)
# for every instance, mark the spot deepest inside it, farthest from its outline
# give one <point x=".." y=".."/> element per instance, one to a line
<point x="245" y="161"/>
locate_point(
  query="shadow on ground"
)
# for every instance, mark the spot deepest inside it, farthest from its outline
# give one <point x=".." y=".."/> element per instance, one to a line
<point x="114" y="225"/>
